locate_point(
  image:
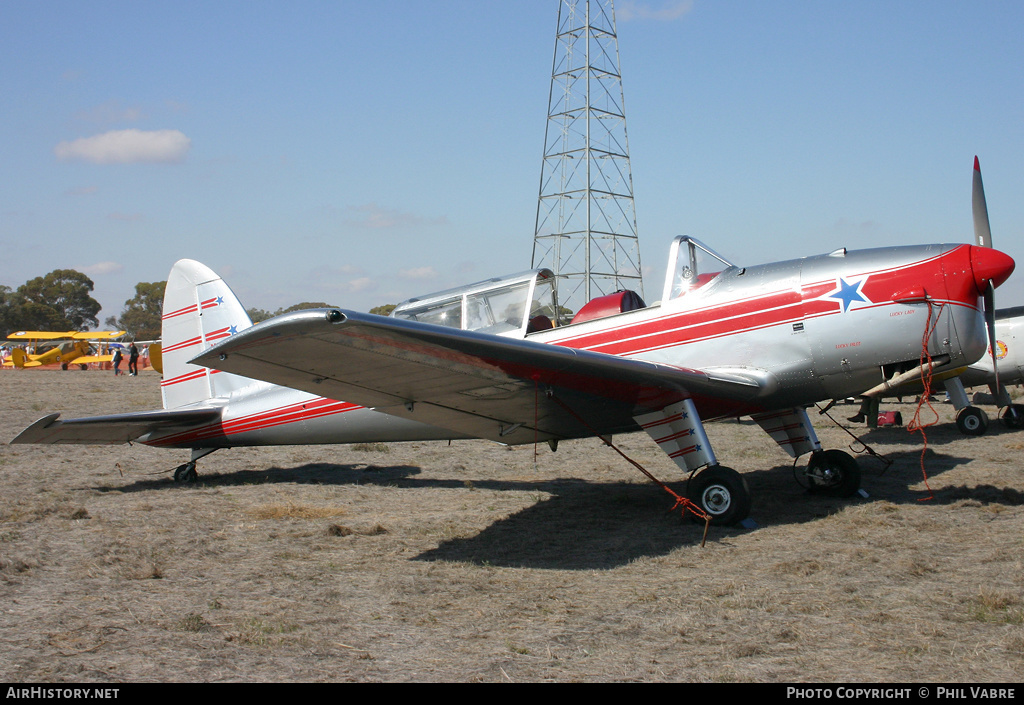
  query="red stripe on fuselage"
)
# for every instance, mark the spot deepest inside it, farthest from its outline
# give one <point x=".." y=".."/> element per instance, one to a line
<point x="290" y="413"/>
<point x="767" y="310"/>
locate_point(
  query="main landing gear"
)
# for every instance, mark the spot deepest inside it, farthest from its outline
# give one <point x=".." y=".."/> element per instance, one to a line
<point x="722" y="493"/>
<point x="971" y="421"/>
<point x="1013" y="416"/>
<point x="834" y="473"/>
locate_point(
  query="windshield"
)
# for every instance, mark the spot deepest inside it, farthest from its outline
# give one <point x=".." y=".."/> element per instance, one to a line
<point x="691" y="265"/>
<point x="517" y="305"/>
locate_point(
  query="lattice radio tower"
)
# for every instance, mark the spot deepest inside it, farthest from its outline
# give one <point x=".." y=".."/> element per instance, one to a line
<point x="586" y="223"/>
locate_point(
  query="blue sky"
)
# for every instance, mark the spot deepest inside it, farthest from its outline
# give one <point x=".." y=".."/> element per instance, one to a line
<point x="363" y="152"/>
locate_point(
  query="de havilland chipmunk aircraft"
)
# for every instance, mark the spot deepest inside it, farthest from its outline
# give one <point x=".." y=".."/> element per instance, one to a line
<point x="488" y="361"/>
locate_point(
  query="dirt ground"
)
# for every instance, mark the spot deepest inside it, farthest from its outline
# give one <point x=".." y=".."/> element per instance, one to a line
<point x="473" y="562"/>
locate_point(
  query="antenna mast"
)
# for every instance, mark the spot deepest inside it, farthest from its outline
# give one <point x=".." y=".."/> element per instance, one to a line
<point x="586" y="222"/>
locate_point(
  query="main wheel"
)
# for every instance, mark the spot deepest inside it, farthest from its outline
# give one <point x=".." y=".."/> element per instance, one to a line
<point x="834" y="473"/>
<point x="1013" y="416"/>
<point x="971" y="421"/>
<point x="722" y="493"/>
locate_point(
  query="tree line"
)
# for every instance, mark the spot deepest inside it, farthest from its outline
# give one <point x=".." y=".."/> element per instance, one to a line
<point x="61" y="300"/>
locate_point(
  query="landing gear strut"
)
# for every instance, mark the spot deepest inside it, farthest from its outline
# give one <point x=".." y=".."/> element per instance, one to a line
<point x="721" y="492"/>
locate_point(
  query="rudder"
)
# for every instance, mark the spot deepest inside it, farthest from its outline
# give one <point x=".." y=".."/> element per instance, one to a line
<point x="199" y="310"/>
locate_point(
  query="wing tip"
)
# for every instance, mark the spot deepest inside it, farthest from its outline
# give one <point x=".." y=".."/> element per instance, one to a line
<point x="34" y="432"/>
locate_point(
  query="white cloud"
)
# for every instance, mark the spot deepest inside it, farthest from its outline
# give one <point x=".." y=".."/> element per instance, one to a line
<point x="667" y="12"/>
<point x="361" y="284"/>
<point x="378" y="217"/>
<point x="126" y="147"/>
<point x="101" y="268"/>
<point x="418" y="273"/>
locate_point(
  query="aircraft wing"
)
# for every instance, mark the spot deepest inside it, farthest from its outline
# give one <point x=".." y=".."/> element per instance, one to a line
<point x="41" y="335"/>
<point x="89" y="359"/>
<point x="113" y="429"/>
<point x="499" y="388"/>
<point x="98" y="334"/>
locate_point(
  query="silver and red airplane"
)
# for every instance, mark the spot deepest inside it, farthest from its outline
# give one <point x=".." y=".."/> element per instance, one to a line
<point x="492" y="361"/>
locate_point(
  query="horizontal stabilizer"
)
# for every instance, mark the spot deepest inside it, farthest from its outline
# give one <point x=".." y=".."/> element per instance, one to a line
<point x="113" y="429"/>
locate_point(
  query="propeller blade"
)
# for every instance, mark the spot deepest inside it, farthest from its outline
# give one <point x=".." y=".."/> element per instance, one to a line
<point x="990" y="324"/>
<point x="982" y="231"/>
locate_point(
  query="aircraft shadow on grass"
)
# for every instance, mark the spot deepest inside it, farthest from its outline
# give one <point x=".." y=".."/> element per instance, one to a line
<point x="582" y="525"/>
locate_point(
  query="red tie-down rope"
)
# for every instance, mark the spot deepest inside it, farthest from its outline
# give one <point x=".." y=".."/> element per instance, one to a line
<point x="687" y="505"/>
<point x="927" y="366"/>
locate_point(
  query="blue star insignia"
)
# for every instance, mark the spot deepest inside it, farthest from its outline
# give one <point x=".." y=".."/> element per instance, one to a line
<point x="848" y="293"/>
<point x="232" y="330"/>
<point x="220" y="300"/>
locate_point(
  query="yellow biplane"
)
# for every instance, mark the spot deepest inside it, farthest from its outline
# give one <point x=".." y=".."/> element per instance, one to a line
<point x="63" y="348"/>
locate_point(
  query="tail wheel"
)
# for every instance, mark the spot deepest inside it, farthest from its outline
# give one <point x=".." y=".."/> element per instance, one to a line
<point x="834" y="473"/>
<point x="972" y="421"/>
<point x="722" y="493"/>
<point x="186" y="473"/>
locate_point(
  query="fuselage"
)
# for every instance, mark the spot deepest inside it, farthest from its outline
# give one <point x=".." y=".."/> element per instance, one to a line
<point x="806" y="330"/>
<point x="815" y="328"/>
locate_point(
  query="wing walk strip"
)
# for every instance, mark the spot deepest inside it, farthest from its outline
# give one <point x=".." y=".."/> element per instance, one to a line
<point x="290" y="413"/>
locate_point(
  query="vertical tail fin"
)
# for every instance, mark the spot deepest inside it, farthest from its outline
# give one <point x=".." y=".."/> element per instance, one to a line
<point x="19" y="358"/>
<point x="199" y="310"/>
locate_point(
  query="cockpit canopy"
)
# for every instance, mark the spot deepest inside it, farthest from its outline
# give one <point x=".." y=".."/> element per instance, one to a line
<point x="527" y="302"/>
<point x="513" y="305"/>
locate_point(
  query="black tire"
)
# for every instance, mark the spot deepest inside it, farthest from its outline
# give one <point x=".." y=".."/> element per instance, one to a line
<point x="1013" y="416"/>
<point x="64" y="366"/>
<point x="834" y="473"/>
<point x="186" y="473"/>
<point x="972" y="421"/>
<point x="721" y="492"/>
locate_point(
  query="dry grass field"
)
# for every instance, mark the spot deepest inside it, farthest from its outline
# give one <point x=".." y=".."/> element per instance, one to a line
<point x="472" y="562"/>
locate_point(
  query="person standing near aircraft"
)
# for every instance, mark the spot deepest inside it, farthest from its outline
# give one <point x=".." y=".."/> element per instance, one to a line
<point x="117" y="362"/>
<point x="133" y="360"/>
